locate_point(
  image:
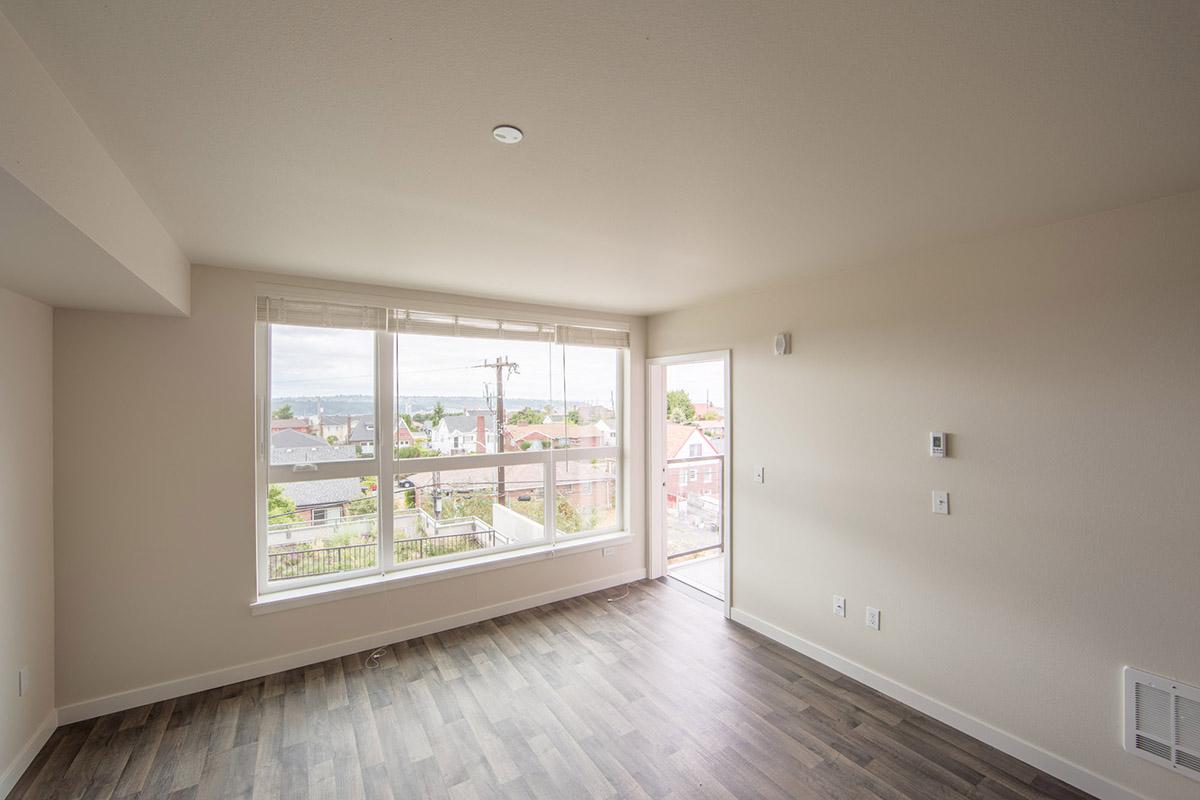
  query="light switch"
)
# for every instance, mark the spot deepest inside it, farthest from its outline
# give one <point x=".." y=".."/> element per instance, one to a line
<point x="941" y="502"/>
<point x="760" y="474"/>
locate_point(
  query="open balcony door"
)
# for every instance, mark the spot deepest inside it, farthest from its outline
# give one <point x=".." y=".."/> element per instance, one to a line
<point x="676" y="511"/>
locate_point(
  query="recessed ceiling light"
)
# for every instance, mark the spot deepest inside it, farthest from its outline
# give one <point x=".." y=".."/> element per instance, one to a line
<point x="507" y="134"/>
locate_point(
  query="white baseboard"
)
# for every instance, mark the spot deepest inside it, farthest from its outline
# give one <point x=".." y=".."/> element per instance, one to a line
<point x="257" y="669"/>
<point x="13" y="772"/>
<point x="1018" y="748"/>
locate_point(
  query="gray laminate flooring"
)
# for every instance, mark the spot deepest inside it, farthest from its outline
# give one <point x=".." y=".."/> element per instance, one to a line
<point x="653" y="695"/>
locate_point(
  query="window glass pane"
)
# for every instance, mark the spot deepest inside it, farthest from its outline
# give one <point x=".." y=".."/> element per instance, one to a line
<point x="449" y="391"/>
<point x="693" y="506"/>
<point x="585" y="394"/>
<point x="321" y="527"/>
<point x="468" y="511"/>
<point x="322" y="394"/>
<point x="587" y="495"/>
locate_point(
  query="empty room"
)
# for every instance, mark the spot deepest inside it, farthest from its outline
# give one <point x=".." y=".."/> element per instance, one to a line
<point x="571" y="400"/>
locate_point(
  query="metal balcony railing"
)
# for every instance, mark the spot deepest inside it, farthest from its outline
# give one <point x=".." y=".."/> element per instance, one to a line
<point x="465" y="534"/>
<point x="694" y="517"/>
<point x="434" y="546"/>
<point x="322" y="561"/>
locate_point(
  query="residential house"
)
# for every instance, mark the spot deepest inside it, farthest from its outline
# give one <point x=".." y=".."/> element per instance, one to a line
<point x="609" y="432"/>
<point x="560" y="434"/>
<point x="593" y="413"/>
<point x="363" y="434"/>
<point x="295" y="424"/>
<point x="688" y="478"/>
<point x="339" y="426"/>
<point x="324" y="501"/>
<point x="465" y="433"/>
<point x="294" y="447"/>
<point x="404" y="436"/>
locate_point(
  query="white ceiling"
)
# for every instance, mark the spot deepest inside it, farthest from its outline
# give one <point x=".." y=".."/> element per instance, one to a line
<point x="673" y="152"/>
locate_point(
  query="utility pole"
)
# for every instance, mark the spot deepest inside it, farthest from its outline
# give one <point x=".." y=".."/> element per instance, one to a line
<point x="504" y="368"/>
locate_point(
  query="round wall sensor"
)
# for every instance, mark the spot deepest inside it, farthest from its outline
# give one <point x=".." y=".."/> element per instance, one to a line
<point x="507" y="134"/>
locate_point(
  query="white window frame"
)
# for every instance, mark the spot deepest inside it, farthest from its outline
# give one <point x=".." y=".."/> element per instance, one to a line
<point x="384" y="466"/>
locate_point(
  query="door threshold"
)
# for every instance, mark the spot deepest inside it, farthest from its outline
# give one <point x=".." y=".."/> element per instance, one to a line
<point x="692" y="592"/>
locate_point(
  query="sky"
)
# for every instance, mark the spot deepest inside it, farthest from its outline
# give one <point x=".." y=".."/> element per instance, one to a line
<point x="704" y="381"/>
<point x="307" y="362"/>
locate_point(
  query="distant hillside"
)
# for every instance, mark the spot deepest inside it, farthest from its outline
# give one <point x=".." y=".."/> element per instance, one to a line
<point x="362" y="404"/>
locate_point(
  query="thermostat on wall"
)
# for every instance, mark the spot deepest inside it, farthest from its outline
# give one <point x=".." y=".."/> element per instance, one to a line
<point x="937" y="445"/>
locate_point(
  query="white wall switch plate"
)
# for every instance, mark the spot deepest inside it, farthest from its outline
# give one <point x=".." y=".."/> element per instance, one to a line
<point x="941" y="502"/>
<point x="608" y="551"/>
<point x="873" y="618"/>
<point x="839" y="605"/>
<point x="22" y="681"/>
<point x="760" y="474"/>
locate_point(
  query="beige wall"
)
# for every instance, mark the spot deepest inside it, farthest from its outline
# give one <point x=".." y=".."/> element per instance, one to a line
<point x="1065" y="362"/>
<point x="155" y="505"/>
<point x="26" y="522"/>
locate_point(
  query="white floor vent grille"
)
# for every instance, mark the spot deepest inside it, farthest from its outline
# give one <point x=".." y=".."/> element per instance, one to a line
<point x="1162" y="721"/>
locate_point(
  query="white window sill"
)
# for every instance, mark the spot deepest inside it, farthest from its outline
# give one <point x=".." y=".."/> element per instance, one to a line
<point x="368" y="584"/>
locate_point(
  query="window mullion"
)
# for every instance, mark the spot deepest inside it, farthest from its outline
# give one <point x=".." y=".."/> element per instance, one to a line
<point x="551" y="500"/>
<point x="619" y="415"/>
<point x="385" y="455"/>
<point x="262" y="348"/>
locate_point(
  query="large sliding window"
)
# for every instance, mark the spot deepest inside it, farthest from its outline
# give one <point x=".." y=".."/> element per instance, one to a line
<point x="392" y="438"/>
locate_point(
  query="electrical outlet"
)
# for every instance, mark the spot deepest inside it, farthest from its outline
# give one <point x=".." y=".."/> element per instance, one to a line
<point x="839" y="605"/>
<point x="873" y="618"/>
<point x="22" y="681"/>
<point x="608" y="551"/>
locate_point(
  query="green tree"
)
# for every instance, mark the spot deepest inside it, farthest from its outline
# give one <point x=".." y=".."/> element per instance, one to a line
<point x="408" y="419"/>
<point x="439" y="411"/>
<point x="366" y="504"/>
<point x="414" y="451"/>
<point x="679" y="406"/>
<point x="476" y="503"/>
<point x="526" y="416"/>
<point x="280" y="509"/>
<point x="566" y="517"/>
<point x="573" y="416"/>
<point x="283" y="412"/>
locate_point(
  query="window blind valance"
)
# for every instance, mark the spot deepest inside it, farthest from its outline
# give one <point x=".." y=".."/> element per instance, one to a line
<point x="424" y="322"/>
<point x="320" y="314"/>
<point x="316" y="314"/>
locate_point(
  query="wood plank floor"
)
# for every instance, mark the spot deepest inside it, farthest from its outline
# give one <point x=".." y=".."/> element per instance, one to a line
<point x="653" y="695"/>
